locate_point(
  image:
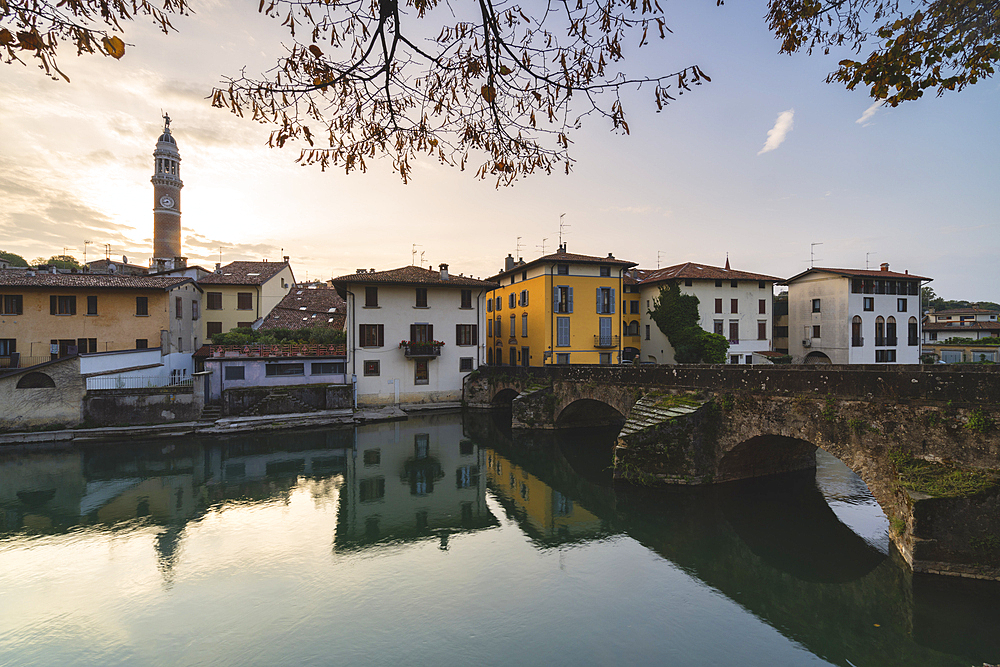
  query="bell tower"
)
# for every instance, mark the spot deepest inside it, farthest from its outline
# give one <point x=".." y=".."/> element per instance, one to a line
<point x="167" y="186"/>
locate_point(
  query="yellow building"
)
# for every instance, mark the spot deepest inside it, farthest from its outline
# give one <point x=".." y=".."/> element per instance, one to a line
<point x="631" y="317"/>
<point x="50" y="315"/>
<point x="240" y="293"/>
<point x="558" y="309"/>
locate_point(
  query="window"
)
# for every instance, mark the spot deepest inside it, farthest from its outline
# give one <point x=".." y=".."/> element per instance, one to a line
<point x="371" y="335"/>
<point x="499" y="304"/>
<point x="734" y="283"/>
<point x="180" y="344"/>
<point x="244" y="301"/>
<point x="761" y="330"/>
<point x="499" y="329"/>
<point x="857" y="286"/>
<point x="815" y="305"/>
<point x="62" y="305"/>
<point x="421" y="333"/>
<point x="879" y="331"/>
<point x="857" y="340"/>
<point x="868" y="303"/>
<point x="421" y="375"/>
<point x="141" y="306"/>
<point x="688" y="282"/>
<point x="489" y="328"/>
<point x="524" y="297"/>
<point x="718" y="305"/>
<point x="524" y="325"/>
<point x="235" y="373"/>
<point x="734" y="331"/>
<point x="633" y="328"/>
<point x="513" y="356"/>
<point x="12" y="304"/>
<point x="524" y="275"/>
<point x="718" y="327"/>
<point x="213" y="300"/>
<point x="900" y="305"/>
<point x="466" y="299"/>
<point x="562" y="331"/>
<point x="562" y="358"/>
<point x="885" y="356"/>
<point x="634" y="307"/>
<point x="178" y="307"/>
<point x="368" y="490"/>
<point x="815" y="331"/>
<point x="244" y="325"/>
<point x="761" y="285"/>
<point x="604" y="358"/>
<point x="464" y="364"/>
<point x="213" y="328"/>
<point x="647" y="332"/>
<point x="489" y="305"/>
<point x="327" y="368"/>
<point x="371" y="297"/>
<point x="195" y="310"/>
<point x="932" y="335"/>
<point x="562" y="299"/>
<point x="890" y="331"/>
<point x="372" y="457"/>
<point x="734" y="306"/>
<point x="141" y="344"/>
<point x="511" y="300"/>
<point x="371" y="368"/>
<point x="421" y="297"/>
<point x="562" y="269"/>
<point x="911" y="331"/>
<point x="718" y="283"/>
<point x="734" y="358"/>
<point x="8" y="347"/>
<point x="605" y="300"/>
<point x="605" y="271"/>
<point x="513" y="325"/>
<point x="85" y="345"/>
<point x="272" y="370"/>
<point x="465" y="334"/>
<point x="513" y="279"/>
<point x="762" y="306"/>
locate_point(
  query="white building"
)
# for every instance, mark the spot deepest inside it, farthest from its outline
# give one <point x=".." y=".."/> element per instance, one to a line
<point x="974" y="323"/>
<point x="736" y="304"/>
<point x="854" y="316"/>
<point x="413" y="334"/>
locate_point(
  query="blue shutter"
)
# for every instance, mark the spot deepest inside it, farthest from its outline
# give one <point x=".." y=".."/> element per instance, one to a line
<point x="612" y="300"/>
<point x="555" y="299"/>
<point x="570" y="299"/>
<point x="598" y="300"/>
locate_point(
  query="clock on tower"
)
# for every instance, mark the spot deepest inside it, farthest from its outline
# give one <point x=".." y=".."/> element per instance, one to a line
<point x="167" y="186"/>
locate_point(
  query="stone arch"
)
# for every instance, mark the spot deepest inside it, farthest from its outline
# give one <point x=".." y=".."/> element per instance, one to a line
<point x="505" y="396"/>
<point x="589" y="412"/>
<point x="36" y="380"/>
<point x="765" y="455"/>
<point x="817" y="357"/>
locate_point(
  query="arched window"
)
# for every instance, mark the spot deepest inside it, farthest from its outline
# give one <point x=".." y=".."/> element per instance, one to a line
<point x="36" y="380"/>
<point x="879" y="331"/>
<point x="489" y="356"/>
<point x="912" y="335"/>
<point x="890" y="331"/>
<point x="633" y="328"/>
<point x="857" y="339"/>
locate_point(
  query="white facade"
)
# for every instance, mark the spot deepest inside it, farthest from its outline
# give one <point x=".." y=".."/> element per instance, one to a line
<point x="391" y="372"/>
<point x="747" y="328"/>
<point x="840" y="317"/>
<point x="961" y="323"/>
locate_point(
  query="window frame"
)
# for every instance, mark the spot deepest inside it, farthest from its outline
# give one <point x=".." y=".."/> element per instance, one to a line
<point x="213" y="300"/>
<point x="371" y="296"/>
<point x="371" y="368"/>
<point x="371" y="332"/>
<point x="244" y="301"/>
<point x="142" y="306"/>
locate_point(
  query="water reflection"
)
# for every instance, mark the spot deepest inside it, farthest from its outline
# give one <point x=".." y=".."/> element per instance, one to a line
<point x="311" y="527"/>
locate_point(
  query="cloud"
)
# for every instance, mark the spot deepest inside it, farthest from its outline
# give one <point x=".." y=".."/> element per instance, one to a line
<point x="776" y="135"/>
<point x="869" y="112"/>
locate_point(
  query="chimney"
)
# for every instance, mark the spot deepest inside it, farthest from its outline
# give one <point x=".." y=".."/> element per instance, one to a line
<point x="444" y="272"/>
<point x="562" y="247"/>
<point x="610" y="256"/>
<point x="371" y="270"/>
<point x="284" y="258"/>
<point x="180" y="262"/>
<point x="218" y="267"/>
<point x="508" y="262"/>
<point x="884" y="266"/>
<point x="360" y="271"/>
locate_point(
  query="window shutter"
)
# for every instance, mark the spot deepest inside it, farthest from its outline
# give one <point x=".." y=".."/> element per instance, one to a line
<point x="555" y="300"/>
<point x="475" y="334"/>
<point x="458" y="334"/>
<point x="381" y="335"/>
<point x="489" y="306"/>
<point x="430" y="332"/>
<point x="72" y="305"/>
<point x="598" y="299"/>
<point x="413" y="332"/>
<point x="570" y="299"/>
<point x="53" y="304"/>
<point x="612" y="300"/>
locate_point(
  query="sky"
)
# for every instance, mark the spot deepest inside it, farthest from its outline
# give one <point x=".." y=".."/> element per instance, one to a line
<point x="758" y="165"/>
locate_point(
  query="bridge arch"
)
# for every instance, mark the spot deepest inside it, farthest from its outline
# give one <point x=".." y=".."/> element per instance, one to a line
<point x="505" y="397"/>
<point x="588" y="412"/>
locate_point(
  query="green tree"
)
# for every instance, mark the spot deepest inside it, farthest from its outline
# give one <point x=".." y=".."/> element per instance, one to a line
<point x="60" y="261"/>
<point x="13" y="258"/>
<point x="943" y="45"/>
<point x="676" y="315"/>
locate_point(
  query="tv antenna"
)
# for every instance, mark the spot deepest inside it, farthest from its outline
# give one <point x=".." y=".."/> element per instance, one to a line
<point x="107" y="251"/>
<point x="85" y="244"/>
<point x="517" y="248"/>
<point x="866" y="260"/>
<point x="543" y="245"/>
<point x="658" y="253"/>
<point x="422" y="258"/>
<point x="812" y="254"/>
<point x="562" y="227"/>
<point x="413" y="253"/>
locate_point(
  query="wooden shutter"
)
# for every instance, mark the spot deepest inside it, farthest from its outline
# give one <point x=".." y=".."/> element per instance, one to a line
<point x="53" y="304"/>
<point x="380" y="328"/>
<point x="475" y="334"/>
<point x="430" y="332"/>
<point x="72" y="305"/>
<point x="413" y="332"/>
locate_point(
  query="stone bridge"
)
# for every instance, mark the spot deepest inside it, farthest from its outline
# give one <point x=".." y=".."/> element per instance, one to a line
<point x="926" y="440"/>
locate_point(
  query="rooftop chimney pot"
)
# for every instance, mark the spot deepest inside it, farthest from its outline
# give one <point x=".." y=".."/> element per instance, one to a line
<point x="444" y="271"/>
<point x="884" y="266"/>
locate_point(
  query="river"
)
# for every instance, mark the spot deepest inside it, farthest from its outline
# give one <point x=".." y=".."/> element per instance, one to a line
<point x="447" y="541"/>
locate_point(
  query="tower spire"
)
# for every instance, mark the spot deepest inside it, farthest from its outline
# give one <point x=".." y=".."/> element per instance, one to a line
<point x="167" y="186"/>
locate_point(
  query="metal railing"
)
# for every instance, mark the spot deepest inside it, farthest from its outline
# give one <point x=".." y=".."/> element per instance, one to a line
<point x="22" y="361"/>
<point x="605" y="341"/>
<point x="135" y="382"/>
<point x="857" y="341"/>
<point x="421" y="350"/>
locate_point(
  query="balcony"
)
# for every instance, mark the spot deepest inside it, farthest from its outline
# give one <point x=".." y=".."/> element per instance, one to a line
<point x="606" y="341"/>
<point x="857" y="341"/>
<point x="421" y="350"/>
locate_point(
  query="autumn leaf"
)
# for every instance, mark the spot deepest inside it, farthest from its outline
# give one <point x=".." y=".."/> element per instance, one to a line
<point x="114" y="47"/>
<point x="29" y="40"/>
<point x="489" y="93"/>
<point x="6" y="37"/>
<point x="315" y="50"/>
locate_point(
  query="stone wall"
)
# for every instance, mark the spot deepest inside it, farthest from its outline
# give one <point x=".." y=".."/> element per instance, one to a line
<point x="286" y="400"/>
<point x="42" y="406"/>
<point x="132" y="407"/>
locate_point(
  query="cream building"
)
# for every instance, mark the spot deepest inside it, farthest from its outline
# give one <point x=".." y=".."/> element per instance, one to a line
<point x="240" y="293"/>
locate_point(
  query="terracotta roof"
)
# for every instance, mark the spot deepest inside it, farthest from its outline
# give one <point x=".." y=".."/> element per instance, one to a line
<point x="285" y="318"/>
<point x="860" y="273"/>
<point x="244" y="273"/>
<point x="698" y="272"/>
<point x="962" y="326"/>
<point x="259" y="350"/>
<point x="103" y="264"/>
<point x="22" y="278"/>
<point x="307" y="307"/>
<point x="412" y="275"/>
<point x="564" y="258"/>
